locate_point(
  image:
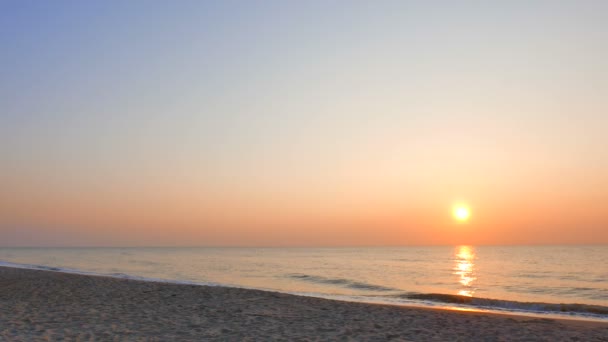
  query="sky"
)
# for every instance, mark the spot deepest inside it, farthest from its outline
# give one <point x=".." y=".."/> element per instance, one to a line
<point x="303" y="123"/>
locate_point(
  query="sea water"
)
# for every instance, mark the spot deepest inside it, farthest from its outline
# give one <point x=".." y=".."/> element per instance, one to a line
<point x="551" y="280"/>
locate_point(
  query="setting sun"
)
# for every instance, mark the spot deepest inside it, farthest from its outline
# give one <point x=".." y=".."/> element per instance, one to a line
<point x="461" y="212"/>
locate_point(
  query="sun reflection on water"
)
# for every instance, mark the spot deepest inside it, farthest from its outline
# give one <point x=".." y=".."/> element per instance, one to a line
<point x="465" y="269"/>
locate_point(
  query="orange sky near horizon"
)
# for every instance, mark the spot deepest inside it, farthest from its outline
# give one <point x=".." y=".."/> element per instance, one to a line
<point x="553" y="216"/>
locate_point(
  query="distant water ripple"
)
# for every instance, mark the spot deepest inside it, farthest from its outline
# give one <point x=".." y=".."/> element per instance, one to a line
<point x="341" y="282"/>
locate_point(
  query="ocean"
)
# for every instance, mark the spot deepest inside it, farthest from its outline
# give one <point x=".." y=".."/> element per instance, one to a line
<point x="562" y="281"/>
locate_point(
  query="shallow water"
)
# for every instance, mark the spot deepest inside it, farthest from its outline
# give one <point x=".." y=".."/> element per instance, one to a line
<point x="519" y="279"/>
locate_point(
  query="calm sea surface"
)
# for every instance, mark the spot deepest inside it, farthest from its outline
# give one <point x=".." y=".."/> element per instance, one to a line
<point x="561" y="280"/>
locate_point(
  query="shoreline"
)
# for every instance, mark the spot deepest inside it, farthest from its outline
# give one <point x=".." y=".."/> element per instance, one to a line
<point x="349" y="299"/>
<point x="39" y="304"/>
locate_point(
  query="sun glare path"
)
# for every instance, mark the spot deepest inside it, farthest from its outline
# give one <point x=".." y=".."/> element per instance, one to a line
<point x="464" y="268"/>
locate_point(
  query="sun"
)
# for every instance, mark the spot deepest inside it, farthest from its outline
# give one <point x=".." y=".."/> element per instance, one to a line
<point x="461" y="212"/>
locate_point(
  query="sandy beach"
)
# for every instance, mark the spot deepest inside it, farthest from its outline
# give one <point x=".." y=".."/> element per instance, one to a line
<point x="45" y="305"/>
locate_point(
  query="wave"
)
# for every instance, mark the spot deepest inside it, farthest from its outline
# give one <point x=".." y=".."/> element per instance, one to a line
<point x="488" y="303"/>
<point x="357" y="285"/>
<point x="98" y="274"/>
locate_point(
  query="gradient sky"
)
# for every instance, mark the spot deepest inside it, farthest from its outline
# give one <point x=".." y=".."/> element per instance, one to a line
<point x="281" y="123"/>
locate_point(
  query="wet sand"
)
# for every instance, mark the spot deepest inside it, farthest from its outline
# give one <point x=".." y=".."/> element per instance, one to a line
<point x="45" y="305"/>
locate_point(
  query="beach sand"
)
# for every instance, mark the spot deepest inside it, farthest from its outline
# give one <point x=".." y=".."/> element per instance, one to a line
<point x="45" y="305"/>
